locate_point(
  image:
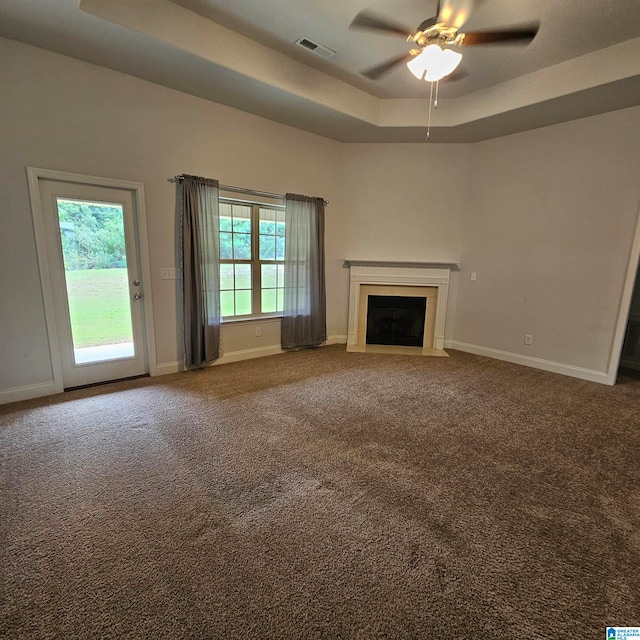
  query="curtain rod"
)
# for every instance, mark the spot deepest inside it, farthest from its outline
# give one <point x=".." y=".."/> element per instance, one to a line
<point x="226" y="187"/>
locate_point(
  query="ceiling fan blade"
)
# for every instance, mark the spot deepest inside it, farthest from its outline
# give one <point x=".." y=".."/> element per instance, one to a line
<point x="367" y="20"/>
<point x="504" y="36"/>
<point x="454" y="13"/>
<point x="379" y="70"/>
<point x="429" y="22"/>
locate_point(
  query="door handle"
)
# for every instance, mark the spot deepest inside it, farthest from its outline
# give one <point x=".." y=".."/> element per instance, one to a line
<point x="137" y="296"/>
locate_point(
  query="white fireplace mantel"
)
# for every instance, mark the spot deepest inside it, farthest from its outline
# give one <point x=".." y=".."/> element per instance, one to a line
<point x="407" y="274"/>
<point x="392" y="264"/>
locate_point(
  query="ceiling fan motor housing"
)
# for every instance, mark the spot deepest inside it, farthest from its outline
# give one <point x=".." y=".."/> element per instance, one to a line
<point x="439" y="34"/>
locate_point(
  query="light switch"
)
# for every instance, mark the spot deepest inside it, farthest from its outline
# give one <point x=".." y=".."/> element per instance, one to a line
<point x="473" y="275"/>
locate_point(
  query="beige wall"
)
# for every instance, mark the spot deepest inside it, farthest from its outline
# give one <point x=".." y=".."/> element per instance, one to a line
<point x="68" y="115"/>
<point x="403" y="202"/>
<point x="548" y="229"/>
<point x="545" y="218"/>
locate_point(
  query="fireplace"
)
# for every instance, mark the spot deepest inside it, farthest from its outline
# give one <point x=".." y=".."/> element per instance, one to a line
<point x="396" y="320"/>
<point x="398" y="307"/>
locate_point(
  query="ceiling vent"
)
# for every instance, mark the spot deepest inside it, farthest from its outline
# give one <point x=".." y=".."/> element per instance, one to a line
<point x="315" y="48"/>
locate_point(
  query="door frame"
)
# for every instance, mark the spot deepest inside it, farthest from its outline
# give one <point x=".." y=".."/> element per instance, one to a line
<point x="625" y="306"/>
<point x="34" y="175"/>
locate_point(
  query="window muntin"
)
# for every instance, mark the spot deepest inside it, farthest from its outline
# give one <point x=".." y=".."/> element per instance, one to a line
<point x="251" y="259"/>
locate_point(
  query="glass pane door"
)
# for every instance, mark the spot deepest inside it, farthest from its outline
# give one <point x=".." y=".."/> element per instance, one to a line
<point x="95" y="269"/>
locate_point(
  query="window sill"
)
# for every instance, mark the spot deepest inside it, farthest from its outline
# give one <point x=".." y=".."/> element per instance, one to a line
<point x="249" y="319"/>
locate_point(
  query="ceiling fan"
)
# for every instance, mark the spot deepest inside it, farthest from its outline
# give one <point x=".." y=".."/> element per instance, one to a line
<point x="432" y="59"/>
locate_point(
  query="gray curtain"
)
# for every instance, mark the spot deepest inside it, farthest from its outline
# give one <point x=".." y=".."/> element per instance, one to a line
<point x="304" y="320"/>
<point x="200" y="270"/>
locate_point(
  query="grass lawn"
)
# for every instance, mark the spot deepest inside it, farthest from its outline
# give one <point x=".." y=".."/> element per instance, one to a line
<point x="99" y="306"/>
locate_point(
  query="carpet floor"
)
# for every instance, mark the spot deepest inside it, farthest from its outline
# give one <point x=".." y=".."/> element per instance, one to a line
<point x="324" y="494"/>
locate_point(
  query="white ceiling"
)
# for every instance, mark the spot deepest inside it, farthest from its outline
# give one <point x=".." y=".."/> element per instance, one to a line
<point x="585" y="60"/>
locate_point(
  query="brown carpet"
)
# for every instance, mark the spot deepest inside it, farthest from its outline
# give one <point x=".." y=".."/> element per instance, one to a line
<point x="323" y="494"/>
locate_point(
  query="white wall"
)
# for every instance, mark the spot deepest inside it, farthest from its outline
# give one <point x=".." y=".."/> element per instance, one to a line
<point x="545" y="217"/>
<point x="548" y="229"/>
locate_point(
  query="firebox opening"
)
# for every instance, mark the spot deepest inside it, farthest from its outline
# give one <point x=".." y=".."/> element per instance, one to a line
<point x="396" y="320"/>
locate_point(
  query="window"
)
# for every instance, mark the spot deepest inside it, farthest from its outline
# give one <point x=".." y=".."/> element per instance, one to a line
<point x="251" y="259"/>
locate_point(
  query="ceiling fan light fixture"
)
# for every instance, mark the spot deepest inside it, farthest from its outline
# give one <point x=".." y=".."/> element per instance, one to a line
<point x="434" y="63"/>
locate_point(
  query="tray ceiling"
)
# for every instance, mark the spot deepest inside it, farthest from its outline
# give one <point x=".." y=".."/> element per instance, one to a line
<point x="585" y="60"/>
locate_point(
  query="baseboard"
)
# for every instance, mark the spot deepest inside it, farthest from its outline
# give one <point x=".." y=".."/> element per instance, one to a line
<point x="528" y="361"/>
<point x="248" y="354"/>
<point x="233" y="356"/>
<point x="27" y="392"/>
<point x="272" y="350"/>
<point x="244" y="354"/>
<point x="167" y="367"/>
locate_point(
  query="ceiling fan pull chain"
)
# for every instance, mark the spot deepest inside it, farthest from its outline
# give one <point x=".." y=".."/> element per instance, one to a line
<point x="435" y="103"/>
<point x="430" y="105"/>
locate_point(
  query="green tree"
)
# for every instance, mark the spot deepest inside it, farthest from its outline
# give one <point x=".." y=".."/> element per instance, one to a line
<point x="92" y="235"/>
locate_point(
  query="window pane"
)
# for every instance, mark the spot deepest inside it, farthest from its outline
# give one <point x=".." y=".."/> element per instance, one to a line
<point x="267" y="247"/>
<point x="243" y="303"/>
<point x="268" y="300"/>
<point x="280" y="248"/>
<point x="226" y="276"/>
<point x="269" y="276"/>
<point x="243" y="276"/>
<point x="241" y="219"/>
<point x="226" y="303"/>
<point x="241" y="246"/>
<point x="267" y="225"/>
<point x="280" y="299"/>
<point x="226" y="251"/>
<point x="280" y="227"/>
<point x="225" y="217"/>
<point x="280" y="275"/>
<point x="242" y="225"/>
<point x="272" y="216"/>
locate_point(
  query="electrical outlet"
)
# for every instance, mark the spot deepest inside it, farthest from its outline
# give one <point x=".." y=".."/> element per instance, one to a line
<point x="167" y="273"/>
<point x="528" y="339"/>
<point x="473" y="275"/>
<point x="258" y="332"/>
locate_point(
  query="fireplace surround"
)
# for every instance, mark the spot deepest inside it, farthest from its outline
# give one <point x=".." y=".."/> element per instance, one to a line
<point x="427" y="280"/>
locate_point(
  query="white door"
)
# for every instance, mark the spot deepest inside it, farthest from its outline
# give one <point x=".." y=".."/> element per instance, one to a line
<point x="93" y="255"/>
